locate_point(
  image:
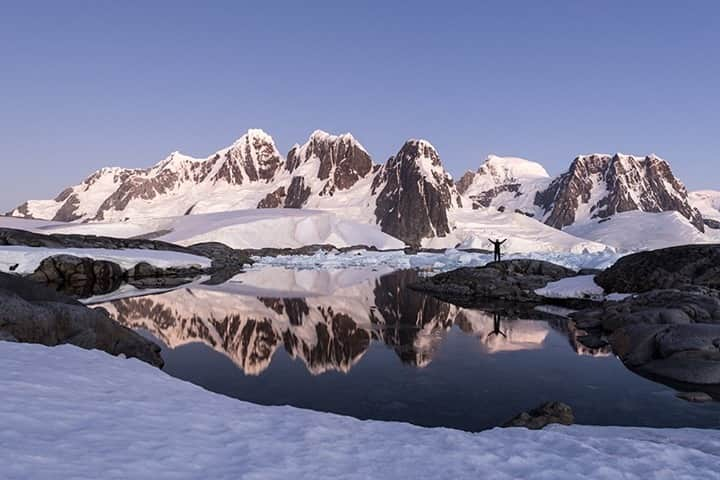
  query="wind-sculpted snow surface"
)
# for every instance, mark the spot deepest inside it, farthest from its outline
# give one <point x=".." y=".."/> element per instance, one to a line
<point x="71" y="413"/>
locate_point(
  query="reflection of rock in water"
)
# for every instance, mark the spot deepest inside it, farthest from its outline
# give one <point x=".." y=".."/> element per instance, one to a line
<point x="326" y="333"/>
<point x="580" y="341"/>
<point x="414" y="323"/>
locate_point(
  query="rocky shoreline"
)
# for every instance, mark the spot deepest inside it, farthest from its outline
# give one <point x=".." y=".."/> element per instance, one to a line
<point x="33" y="313"/>
<point x="82" y="277"/>
<point x="667" y="329"/>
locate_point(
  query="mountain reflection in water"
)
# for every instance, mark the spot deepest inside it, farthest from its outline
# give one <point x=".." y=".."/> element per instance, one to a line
<point x="325" y="332"/>
<point x="457" y="367"/>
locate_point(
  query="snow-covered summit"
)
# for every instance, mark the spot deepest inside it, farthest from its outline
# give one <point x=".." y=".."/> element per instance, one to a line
<point x="504" y="183"/>
<point x="506" y="169"/>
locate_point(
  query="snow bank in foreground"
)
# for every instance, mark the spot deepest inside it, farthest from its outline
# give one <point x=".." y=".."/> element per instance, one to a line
<point x="28" y="258"/>
<point x="72" y="413"/>
<point x="438" y="262"/>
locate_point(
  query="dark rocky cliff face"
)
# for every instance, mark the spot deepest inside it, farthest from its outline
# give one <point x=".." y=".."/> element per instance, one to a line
<point x="414" y="194"/>
<point x="343" y="161"/>
<point x="615" y="184"/>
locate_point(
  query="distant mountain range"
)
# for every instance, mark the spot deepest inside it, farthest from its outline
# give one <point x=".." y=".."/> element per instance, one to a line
<point x="411" y="196"/>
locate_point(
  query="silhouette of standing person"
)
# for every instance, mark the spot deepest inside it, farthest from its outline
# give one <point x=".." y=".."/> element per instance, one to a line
<point x="497" y="243"/>
<point x="497" y="319"/>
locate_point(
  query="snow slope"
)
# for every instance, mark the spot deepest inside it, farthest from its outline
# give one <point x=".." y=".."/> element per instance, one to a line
<point x="473" y="228"/>
<point x="256" y="228"/>
<point x="72" y="413"/>
<point x="708" y="202"/>
<point x="637" y="230"/>
<point x="28" y="259"/>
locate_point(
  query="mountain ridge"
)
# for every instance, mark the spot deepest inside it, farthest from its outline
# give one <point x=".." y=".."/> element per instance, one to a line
<point x="410" y="196"/>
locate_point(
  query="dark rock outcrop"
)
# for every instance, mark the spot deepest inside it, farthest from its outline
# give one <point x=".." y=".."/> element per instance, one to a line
<point x="673" y="267"/>
<point x="274" y="199"/>
<point x="542" y="416"/>
<point x="414" y="194"/>
<point x="83" y="277"/>
<point x="297" y="193"/>
<point x="31" y="313"/>
<point x="10" y="236"/>
<point x="671" y="334"/>
<point x="507" y="280"/>
<point x="80" y="277"/>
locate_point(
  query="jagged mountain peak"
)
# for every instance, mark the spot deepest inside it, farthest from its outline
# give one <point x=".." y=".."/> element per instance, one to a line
<point x="415" y="193"/>
<point x="597" y="186"/>
<point x="323" y="136"/>
<point x="425" y="157"/>
<point x="339" y="161"/>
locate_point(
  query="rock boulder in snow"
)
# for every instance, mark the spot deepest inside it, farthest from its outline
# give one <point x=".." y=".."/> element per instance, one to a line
<point x="542" y="416"/>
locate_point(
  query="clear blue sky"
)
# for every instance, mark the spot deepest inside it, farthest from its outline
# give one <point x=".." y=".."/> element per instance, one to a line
<point x="95" y="83"/>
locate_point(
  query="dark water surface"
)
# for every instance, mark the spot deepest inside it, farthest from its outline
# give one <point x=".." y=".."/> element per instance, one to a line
<point x="374" y="349"/>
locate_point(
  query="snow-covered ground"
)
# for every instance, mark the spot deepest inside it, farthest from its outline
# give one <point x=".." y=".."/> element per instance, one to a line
<point x="27" y="259"/>
<point x="73" y="413"/>
<point x="473" y="228"/>
<point x="255" y="228"/>
<point x="643" y="231"/>
<point x="707" y="201"/>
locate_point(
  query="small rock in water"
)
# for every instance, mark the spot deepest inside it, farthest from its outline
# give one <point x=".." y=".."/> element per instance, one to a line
<point x="545" y="414"/>
<point x="697" y="397"/>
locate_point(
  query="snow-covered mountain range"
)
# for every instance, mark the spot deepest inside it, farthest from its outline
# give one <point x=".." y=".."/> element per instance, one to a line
<point x="411" y="196"/>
